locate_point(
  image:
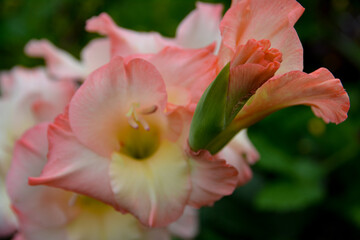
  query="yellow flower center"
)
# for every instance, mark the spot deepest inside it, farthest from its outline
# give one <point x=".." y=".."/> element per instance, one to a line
<point x="141" y="137"/>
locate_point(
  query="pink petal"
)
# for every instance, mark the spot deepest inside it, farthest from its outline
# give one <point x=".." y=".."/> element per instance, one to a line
<point x="60" y="63"/>
<point x="253" y="64"/>
<point x="40" y="210"/>
<point x="72" y="166"/>
<point x="240" y="153"/>
<point x="319" y="89"/>
<point x="19" y="236"/>
<point x="155" y="189"/>
<point x="29" y="158"/>
<point x="262" y="19"/>
<point x="187" y="226"/>
<point x="98" y="109"/>
<point x="6" y="83"/>
<point x="95" y="54"/>
<point x="242" y="145"/>
<point x="126" y="42"/>
<point x="185" y="72"/>
<point x="8" y="223"/>
<point x="212" y="179"/>
<point x="32" y="98"/>
<point x="50" y="213"/>
<point x="201" y="27"/>
<point x="48" y="97"/>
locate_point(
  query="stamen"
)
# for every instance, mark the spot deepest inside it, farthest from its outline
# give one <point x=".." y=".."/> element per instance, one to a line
<point x="134" y="118"/>
<point x="149" y="110"/>
<point x="133" y="123"/>
<point x="144" y="124"/>
<point x="131" y="110"/>
<point x="72" y="200"/>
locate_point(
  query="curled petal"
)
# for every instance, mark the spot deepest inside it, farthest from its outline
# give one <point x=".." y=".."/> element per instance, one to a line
<point x="117" y="86"/>
<point x="125" y="42"/>
<point x="212" y="179"/>
<point x="240" y="153"/>
<point x="262" y="19"/>
<point x="236" y="160"/>
<point x="60" y="63"/>
<point x="201" y="27"/>
<point x="253" y="64"/>
<point x="319" y="89"/>
<point x="155" y="189"/>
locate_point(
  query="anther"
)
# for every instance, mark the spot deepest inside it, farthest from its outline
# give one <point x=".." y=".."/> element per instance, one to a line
<point x="144" y="124"/>
<point x="149" y="110"/>
<point x="133" y="123"/>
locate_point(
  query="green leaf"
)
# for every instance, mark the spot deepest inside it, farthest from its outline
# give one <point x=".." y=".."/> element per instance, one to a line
<point x="209" y="116"/>
<point x="288" y="196"/>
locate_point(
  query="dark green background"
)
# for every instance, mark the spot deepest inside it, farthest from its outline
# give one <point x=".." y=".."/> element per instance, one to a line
<point x="307" y="183"/>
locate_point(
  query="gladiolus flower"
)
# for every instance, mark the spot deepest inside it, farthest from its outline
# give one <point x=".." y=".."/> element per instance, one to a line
<point x="117" y="144"/>
<point x="50" y="213"/>
<point x="260" y="63"/>
<point x="29" y="97"/>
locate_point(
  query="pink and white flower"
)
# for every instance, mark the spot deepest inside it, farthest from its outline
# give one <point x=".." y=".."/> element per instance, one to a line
<point x="50" y="213"/>
<point x="116" y="143"/>
<point x="29" y="97"/>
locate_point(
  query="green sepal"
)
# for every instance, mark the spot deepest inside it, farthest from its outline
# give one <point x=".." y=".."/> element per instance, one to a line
<point x="209" y="119"/>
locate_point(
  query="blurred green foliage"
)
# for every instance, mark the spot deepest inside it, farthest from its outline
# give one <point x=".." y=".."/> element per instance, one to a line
<point x="306" y="184"/>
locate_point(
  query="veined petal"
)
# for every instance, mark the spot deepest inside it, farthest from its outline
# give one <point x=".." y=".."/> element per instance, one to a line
<point x="72" y="166"/>
<point x="60" y="63"/>
<point x="98" y="109"/>
<point x="319" y="89"/>
<point x="155" y="189"/>
<point x="212" y="179"/>
<point x="201" y="27"/>
<point x="190" y="70"/>
<point x="126" y="42"/>
<point x="262" y="19"/>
